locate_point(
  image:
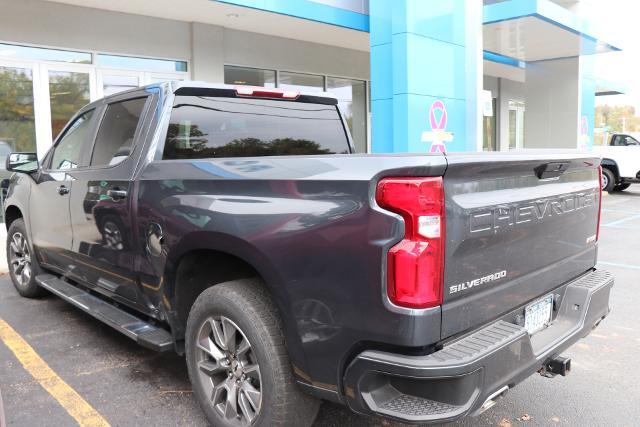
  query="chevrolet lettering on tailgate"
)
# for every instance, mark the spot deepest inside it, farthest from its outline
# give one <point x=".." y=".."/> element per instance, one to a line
<point x="503" y="217"/>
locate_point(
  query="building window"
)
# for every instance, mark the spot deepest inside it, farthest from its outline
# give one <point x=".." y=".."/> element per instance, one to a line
<point x="351" y="96"/>
<point x="489" y="131"/>
<point x="147" y="64"/>
<point x="249" y="76"/>
<point x="516" y="124"/>
<point x="301" y="82"/>
<point x="12" y="51"/>
<point x="17" y="117"/>
<point x="113" y="83"/>
<point x="68" y="92"/>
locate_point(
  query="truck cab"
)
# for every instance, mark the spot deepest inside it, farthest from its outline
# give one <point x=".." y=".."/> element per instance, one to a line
<point x="623" y="140"/>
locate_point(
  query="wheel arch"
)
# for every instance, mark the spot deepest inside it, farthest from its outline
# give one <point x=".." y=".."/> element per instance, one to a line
<point x="200" y="254"/>
<point x="612" y="166"/>
<point x="11" y="213"/>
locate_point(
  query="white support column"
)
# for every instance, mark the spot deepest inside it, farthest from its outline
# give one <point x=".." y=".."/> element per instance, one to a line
<point x="502" y="117"/>
<point x="207" y="53"/>
<point x="474" y="70"/>
<point x="42" y="110"/>
<point x="552" y="96"/>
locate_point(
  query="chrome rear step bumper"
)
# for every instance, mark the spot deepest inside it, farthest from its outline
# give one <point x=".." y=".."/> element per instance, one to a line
<point x="462" y="377"/>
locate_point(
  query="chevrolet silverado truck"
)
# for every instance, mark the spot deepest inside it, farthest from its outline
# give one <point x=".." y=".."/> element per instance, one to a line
<point x="237" y="226"/>
<point x="620" y="162"/>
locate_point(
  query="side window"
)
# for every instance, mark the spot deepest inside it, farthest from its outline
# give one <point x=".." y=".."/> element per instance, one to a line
<point x="114" y="141"/>
<point x="68" y="151"/>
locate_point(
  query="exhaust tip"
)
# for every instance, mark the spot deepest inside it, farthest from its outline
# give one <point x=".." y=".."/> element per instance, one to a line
<point x="597" y="322"/>
<point x="492" y="400"/>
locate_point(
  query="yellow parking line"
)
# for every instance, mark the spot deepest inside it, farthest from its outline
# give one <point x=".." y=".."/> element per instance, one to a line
<point x="71" y="401"/>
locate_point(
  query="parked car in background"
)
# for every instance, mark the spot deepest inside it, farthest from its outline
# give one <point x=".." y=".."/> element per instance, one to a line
<point x="620" y="162"/>
<point x="236" y="226"/>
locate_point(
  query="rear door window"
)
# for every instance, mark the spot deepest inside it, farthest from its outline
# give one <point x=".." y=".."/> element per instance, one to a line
<point x="114" y="141"/>
<point x="210" y="127"/>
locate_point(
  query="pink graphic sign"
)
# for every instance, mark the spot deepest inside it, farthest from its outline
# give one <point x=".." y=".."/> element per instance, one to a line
<point x="583" y="138"/>
<point x="438" y="124"/>
<point x="438" y="134"/>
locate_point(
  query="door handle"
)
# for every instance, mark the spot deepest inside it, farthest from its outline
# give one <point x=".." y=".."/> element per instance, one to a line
<point x="117" y="194"/>
<point x="62" y="190"/>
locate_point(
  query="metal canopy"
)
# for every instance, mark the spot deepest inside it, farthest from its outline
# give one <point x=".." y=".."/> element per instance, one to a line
<point x="537" y="30"/>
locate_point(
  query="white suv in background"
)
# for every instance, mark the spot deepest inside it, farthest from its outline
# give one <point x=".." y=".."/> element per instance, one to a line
<point x="620" y="161"/>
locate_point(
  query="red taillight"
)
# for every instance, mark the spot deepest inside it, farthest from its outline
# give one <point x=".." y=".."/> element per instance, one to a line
<point x="415" y="266"/>
<point x="599" y="201"/>
<point x="262" y="92"/>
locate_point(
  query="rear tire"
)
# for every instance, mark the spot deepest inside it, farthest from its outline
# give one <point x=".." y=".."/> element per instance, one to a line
<point x="22" y="262"/>
<point x="621" y="187"/>
<point x="608" y="180"/>
<point x="244" y="380"/>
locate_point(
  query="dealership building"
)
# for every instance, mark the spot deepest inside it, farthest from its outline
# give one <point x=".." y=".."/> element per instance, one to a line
<point x="410" y="75"/>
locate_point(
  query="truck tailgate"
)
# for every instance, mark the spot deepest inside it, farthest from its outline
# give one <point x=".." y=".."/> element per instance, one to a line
<point x="517" y="226"/>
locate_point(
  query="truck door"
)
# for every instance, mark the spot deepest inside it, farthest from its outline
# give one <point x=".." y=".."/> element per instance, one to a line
<point x="101" y="203"/>
<point x="49" y="199"/>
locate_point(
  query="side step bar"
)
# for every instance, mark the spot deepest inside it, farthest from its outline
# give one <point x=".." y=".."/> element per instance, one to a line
<point x="145" y="334"/>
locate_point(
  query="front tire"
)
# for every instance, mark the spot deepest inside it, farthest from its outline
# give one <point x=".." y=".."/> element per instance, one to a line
<point x="608" y="180"/>
<point x="238" y="362"/>
<point x="22" y="263"/>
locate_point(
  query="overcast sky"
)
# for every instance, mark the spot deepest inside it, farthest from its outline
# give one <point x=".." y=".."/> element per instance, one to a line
<point x="619" y="19"/>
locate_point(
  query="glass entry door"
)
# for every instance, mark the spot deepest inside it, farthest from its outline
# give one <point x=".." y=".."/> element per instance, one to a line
<point x="69" y="88"/>
<point x="17" y="115"/>
<point x="17" y="112"/>
<point x="37" y="100"/>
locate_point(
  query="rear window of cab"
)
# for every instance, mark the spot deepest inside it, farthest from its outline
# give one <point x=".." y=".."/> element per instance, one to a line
<point x="220" y="127"/>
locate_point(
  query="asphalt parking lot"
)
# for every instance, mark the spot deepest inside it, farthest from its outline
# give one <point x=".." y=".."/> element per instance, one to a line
<point x="127" y="385"/>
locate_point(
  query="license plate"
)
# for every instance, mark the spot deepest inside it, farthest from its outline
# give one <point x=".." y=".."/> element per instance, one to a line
<point x="537" y="315"/>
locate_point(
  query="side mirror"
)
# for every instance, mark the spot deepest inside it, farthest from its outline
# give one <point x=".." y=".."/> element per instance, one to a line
<point x="22" y="162"/>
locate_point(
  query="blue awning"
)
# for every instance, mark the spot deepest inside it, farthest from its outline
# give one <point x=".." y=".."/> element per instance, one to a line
<point x="607" y="87"/>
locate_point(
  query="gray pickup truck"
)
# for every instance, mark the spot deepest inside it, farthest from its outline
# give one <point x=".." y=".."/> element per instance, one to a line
<point x="237" y="226"/>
